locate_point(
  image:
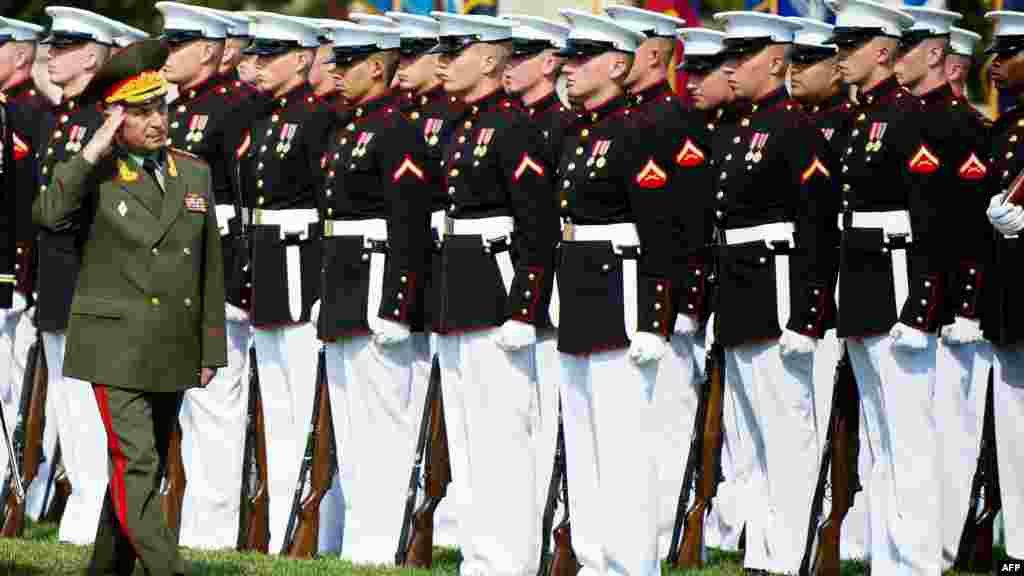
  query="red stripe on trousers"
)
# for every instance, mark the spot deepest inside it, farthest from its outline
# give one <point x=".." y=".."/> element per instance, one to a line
<point x="118" y="493"/>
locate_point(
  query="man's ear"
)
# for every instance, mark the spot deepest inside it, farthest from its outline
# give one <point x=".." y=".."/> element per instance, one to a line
<point x="620" y="67"/>
<point x="936" y="54"/>
<point x="551" y="65"/>
<point x="376" y="68"/>
<point x="777" y="66"/>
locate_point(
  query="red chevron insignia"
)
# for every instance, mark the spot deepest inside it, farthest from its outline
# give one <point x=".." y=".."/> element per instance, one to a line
<point x="924" y="162"/>
<point x="21" y="149"/>
<point x="973" y="168"/>
<point x="407" y="165"/>
<point x="816" y="167"/>
<point x="651" y="175"/>
<point x="525" y="164"/>
<point x="690" y="155"/>
<point x="244" y="146"/>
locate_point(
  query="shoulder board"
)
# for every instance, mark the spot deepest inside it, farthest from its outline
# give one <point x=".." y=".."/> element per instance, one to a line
<point x="184" y="154"/>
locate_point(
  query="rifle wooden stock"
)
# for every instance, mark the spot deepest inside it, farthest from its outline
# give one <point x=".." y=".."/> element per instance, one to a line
<point x="173" y="491"/>
<point x="839" y="467"/>
<point x="305" y="540"/>
<point x="564" y="562"/>
<point x="34" y="420"/>
<point x="974" y="553"/>
<point x="433" y="454"/>
<point x="254" y="533"/>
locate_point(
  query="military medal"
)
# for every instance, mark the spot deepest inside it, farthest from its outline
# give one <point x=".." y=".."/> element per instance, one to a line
<point x="431" y="128"/>
<point x="195" y="128"/>
<point x="597" y="153"/>
<point x="482" y="140"/>
<point x="757" y="142"/>
<point x="195" y="203"/>
<point x="285" y="138"/>
<point x="875" y="136"/>
<point x="75" y="137"/>
<point x="361" y="142"/>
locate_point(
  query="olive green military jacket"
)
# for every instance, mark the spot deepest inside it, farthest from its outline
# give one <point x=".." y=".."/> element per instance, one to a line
<point x="148" y="310"/>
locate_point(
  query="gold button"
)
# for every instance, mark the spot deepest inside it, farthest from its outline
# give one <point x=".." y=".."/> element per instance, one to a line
<point x="745" y="122"/>
<point x="565" y="203"/>
<point x="58" y="134"/>
<point x="174" y="124"/>
<point x="458" y="155"/>
<point x="328" y="193"/>
<point x="182" y="109"/>
<point x="18" y="250"/>
<point x="566" y="184"/>
<point x="154" y="301"/>
<point x="468" y="124"/>
<point x="397" y="312"/>
<point x="259" y="183"/>
<point x="606" y="267"/>
<point x="403" y="279"/>
<point x="188" y="302"/>
<point x="260" y="200"/>
<point x="579" y="150"/>
<point x="736" y="140"/>
<point x="532" y="276"/>
<point x="187" y="251"/>
<point x="524" y="311"/>
<point x="585" y="133"/>
<point x="572" y="166"/>
<point x="454" y="172"/>
<point x="451" y="190"/>
<point x="330" y="211"/>
<point x="657" y="305"/>
<point x="462" y="139"/>
<point x="846" y="187"/>
<point x="656" y="324"/>
<point x="156" y="251"/>
<point x="528" y="294"/>
<point x="660" y="288"/>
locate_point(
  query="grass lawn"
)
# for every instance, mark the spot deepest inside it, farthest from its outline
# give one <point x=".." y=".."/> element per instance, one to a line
<point x="40" y="554"/>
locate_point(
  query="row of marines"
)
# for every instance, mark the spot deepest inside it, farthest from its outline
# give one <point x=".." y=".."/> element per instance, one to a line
<point x="468" y="213"/>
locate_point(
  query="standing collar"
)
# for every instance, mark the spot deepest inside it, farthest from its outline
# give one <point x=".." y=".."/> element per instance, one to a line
<point x="655" y="92"/>
<point x="546" y="103"/>
<point x="885" y="90"/>
<point x="607" y="108"/>
<point x="384" y="103"/>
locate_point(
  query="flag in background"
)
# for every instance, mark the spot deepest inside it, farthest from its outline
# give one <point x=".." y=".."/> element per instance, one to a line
<point x="805" y="8"/>
<point x="488" y="7"/>
<point x="689" y="11"/>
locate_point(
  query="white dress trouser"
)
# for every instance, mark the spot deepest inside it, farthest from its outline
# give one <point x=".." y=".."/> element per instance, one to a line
<point x="213" y="426"/>
<point x="1008" y="404"/>
<point x="676" y="394"/>
<point x="855" y="536"/>
<point x="611" y="428"/>
<point x="961" y="381"/>
<point x="286" y="359"/>
<point x="83" y="442"/>
<point x="728" y="516"/>
<point x="488" y="395"/>
<point x="775" y="398"/>
<point x="376" y="383"/>
<point x="897" y="397"/>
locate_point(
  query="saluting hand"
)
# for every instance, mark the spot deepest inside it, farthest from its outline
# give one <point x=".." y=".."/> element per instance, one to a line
<point x="103" y="140"/>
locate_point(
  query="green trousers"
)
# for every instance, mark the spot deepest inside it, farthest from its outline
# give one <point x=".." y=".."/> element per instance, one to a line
<point x="132" y="525"/>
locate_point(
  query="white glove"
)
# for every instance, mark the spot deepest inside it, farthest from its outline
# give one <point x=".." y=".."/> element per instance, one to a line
<point x="514" y="335"/>
<point x="390" y="333"/>
<point x="646" y="347"/>
<point x="908" y="337"/>
<point x="233" y="313"/>
<point x="1005" y="217"/>
<point x="685" y="325"/>
<point x="314" y="312"/>
<point x="794" y="343"/>
<point x="18" y="303"/>
<point x="962" y="331"/>
<point x="709" y="332"/>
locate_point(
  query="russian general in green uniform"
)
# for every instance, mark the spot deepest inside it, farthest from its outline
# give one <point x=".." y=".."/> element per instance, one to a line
<point x="147" y="318"/>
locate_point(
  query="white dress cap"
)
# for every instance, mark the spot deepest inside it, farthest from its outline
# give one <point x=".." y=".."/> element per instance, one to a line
<point x="416" y="27"/>
<point x="700" y="41"/>
<point x="962" y="41"/>
<point x="351" y="35"/>
<point x="746" y="25"/>
<point x="484" y="28"/>
<point x="182" y="21"/>
<point x="12" y="30"/>
<point x="283" y="29"/>
<point x="239" y="26"/>
<point x="537" y="28"/>
<point x="1007" y="33"/>
<point x="868" y="14"/>
<point x="129" y="35"/>
<point x="813" y="33"/>
<point x="592" y="34"/>
<point x="646" y="21"/>
<point x="384" y="21"/>
<point x="933" y="21"/>
<point x="74" y="25"/>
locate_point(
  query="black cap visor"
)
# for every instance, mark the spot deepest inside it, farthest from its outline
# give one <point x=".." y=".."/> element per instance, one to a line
<point x="1006" y="45"/>
<point x="584" y="48"/>
<point x="454" y="44"/>
<point x="62" y="38"/>
<point x="527" y="48"/>
<point x="266" y="47"/>
<point x="346" y="55"/>
<point x="175" y="37"/>
<point x="853" y="38"/>
<point x="416" y="46"/>
<point x="701" y="64"/>
<point x="912" y="38"/>
<point x="734" y="47"/>
<point x="805" y="55"/>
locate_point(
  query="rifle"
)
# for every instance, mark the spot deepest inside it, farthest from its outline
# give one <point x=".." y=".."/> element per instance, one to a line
<point x="703" y="467"/>
<point x="28" y="435"/>
<point x="59" y="486"/>
<point x="548" y="517"/>
<point x="416" y="540"/>
<point x="254" y="519"/>
<point x="172" y="492"/>
<point x="974" y="554"/>
<point x="564" y="562"/>
<point x="318" y="467"/>
<point x="838" y="471"/>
